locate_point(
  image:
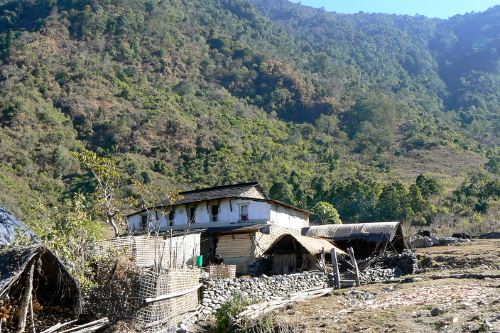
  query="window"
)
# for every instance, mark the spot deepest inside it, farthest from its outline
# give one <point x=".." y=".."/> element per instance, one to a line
<point x="214" y="217"/>
<point x="171" y="217"/>
<point x="244" y="213"/>
<point x="144" y="222"/>
<point x="191" y="214"/>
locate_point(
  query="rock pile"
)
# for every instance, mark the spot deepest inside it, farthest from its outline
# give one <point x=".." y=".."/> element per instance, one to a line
<point x="420" y="242"/>
<point x="379" y="274"/>
<point x="407" y="262"/>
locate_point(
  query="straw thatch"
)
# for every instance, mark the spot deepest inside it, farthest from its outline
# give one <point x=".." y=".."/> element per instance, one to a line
<point x="311" y="244"/>
<point x="53" y="281"/>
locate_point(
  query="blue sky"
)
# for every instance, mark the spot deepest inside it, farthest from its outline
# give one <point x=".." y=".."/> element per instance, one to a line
<point x="431" y="8"/>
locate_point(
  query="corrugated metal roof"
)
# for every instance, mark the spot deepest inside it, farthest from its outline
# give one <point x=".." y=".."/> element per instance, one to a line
<point x="247" y="190"/>
<point x="252" y="191"/>
<point x="313" y="245"/>
<point x="374" y="232"/>
<point x="10" y="226"/>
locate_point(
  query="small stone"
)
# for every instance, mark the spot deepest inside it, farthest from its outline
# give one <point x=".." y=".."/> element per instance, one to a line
<point x="465" y="305"/>
<point x="437" y="311"/>
<point x="455" y="320"/>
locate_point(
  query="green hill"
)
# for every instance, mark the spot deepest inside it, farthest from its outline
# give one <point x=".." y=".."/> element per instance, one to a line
<point x="311" y="104"/>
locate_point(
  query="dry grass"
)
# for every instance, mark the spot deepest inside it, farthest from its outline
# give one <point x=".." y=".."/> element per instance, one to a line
<point x="470" y="305"/>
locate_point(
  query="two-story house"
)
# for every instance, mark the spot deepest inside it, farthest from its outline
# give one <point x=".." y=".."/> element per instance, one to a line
<point x="238" y="221"/>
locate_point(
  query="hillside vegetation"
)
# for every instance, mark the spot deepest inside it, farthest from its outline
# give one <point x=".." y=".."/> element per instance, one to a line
<point x="316" y="106"/>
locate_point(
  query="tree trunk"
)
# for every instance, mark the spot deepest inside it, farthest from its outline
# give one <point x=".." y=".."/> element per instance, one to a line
<point x="27" y="296"/>
<point x="112" y="222"/>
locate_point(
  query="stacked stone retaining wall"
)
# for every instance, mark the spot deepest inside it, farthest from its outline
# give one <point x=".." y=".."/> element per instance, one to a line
<point x="219" y="291"/>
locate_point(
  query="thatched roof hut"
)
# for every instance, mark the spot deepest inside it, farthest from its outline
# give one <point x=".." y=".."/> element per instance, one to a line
<point x="51" y="281"/>
<point x="367" y="239"/>
<point x="296" y="253"/>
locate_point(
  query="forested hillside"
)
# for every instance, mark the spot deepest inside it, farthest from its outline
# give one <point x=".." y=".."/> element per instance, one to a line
<point x="316" y="106"/>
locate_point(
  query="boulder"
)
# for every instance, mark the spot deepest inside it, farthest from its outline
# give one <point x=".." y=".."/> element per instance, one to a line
<point x="449" y="240"/>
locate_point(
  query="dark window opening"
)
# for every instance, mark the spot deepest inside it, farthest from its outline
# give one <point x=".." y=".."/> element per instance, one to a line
<point x="171" y="217"/>
<point x="215" y="213"/>
<point x="244" y="213"/>
<point x="191" y="214"/>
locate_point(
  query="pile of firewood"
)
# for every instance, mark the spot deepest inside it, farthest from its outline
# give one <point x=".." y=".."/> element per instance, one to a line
<point x="45" y="315"/>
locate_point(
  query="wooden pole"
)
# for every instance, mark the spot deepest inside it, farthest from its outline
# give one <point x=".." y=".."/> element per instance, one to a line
<point x="354" y="264"/>
<point x="170" y="259"/>
<point x="58" y="326"/>
<point x="91" y="324"/>
<point x="172" y="295"/>
<point x="335" y="265"/>
<point x="27" y="297"/>
<point x="323" y="262"/>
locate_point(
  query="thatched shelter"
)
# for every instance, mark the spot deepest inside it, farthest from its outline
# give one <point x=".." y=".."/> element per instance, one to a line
<point x="51" y="281"/>
<point x="296" y="253"/>
<point x="367" y="239"/>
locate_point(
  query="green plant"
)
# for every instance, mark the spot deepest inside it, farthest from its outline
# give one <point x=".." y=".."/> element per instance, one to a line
<point x="226" y="316"/>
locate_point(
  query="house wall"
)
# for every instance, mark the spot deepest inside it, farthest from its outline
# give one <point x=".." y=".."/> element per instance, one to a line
<point x="229" y="212"/>
<point x="236" y="250"/>
<point x="288" y="218"/>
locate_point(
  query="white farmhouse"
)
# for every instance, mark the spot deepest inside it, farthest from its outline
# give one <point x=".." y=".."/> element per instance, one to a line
<point x="238" y="221"/>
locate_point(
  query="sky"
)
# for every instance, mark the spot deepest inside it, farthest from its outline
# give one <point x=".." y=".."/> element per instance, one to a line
<point x="431" y="8"/>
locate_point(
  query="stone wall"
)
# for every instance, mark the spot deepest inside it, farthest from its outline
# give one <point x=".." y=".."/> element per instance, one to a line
<point x="218" y="291"/>
<point x="264" y="239"/>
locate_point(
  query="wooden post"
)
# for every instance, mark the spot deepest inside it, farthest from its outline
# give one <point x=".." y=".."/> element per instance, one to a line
<point x="170" y="259"/>
<point x="354" y="264"/>
<point x="335" y="265"/>
<point x="27" y="296"/>
<point x="323" y="262"/>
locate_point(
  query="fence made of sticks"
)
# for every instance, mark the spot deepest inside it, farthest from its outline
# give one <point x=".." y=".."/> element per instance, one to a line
<point x="149" y="282"/>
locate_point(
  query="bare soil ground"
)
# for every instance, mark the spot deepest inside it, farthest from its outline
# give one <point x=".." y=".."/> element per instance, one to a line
<point x="470" y="305"/>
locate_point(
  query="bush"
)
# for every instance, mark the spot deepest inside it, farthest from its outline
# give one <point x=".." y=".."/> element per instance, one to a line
<point x="227" y="321"/>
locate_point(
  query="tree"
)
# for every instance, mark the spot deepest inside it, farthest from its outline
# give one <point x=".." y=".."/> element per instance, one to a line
<point x="147" y="196"/>
<point x="69" y="231"/>
<point x="283" y="192"/>
<point x="104" y="171"/>
<point x="327" y="213"/>
<point x="428" y="186"/>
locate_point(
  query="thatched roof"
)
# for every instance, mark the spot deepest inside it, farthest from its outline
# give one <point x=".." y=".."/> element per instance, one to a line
<point x="53" y="280"/>
<point x="11" y="227"/>
<point x="313" y="245"/>
<point x="371" y="232"/>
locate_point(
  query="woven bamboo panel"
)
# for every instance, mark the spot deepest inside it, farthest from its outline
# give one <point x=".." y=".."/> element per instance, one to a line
<point x="177" y="252"/>
<point x="222" y="271"/>
<point x="238" y="245"/>
<point x="166" y="313"/>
